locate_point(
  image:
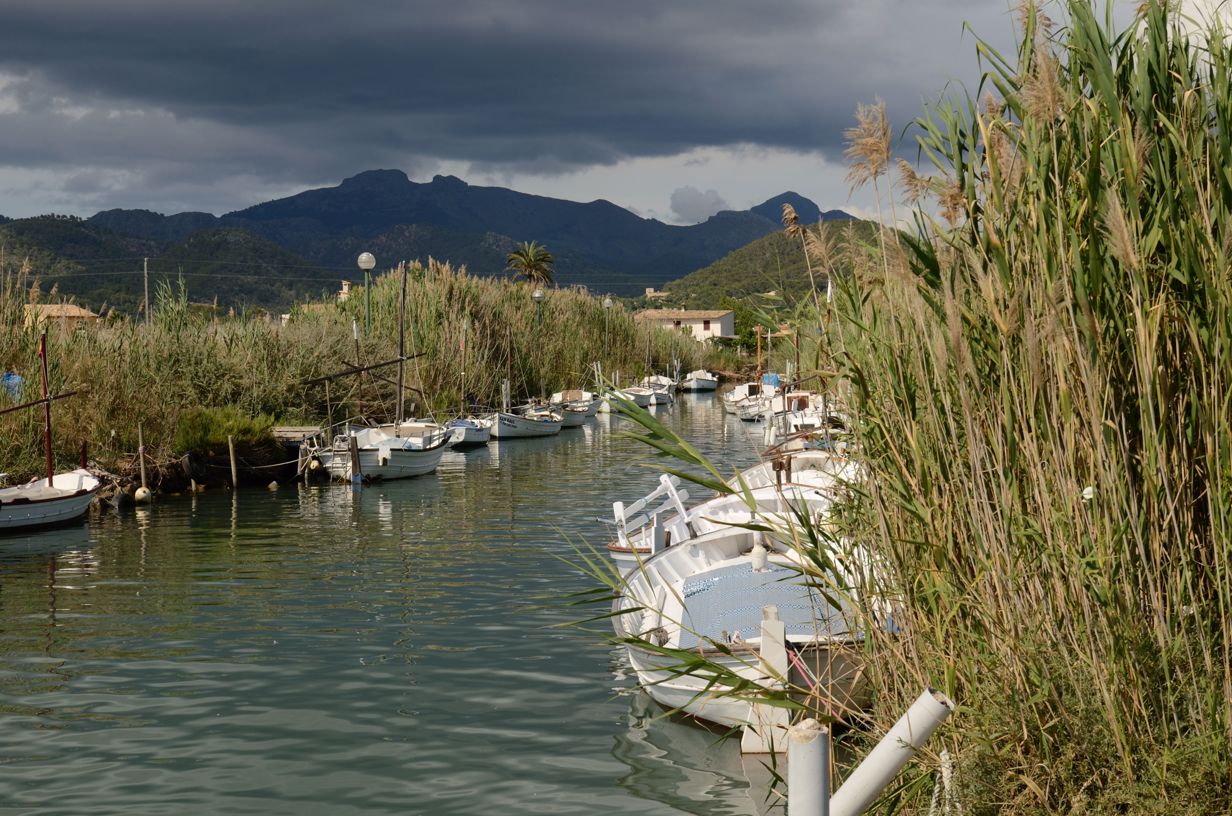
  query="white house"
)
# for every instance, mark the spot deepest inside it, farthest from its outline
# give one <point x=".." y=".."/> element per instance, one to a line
<point x="703" y="324"/>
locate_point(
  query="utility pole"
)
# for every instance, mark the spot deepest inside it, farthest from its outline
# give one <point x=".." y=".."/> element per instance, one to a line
<point x="146" y="267"/>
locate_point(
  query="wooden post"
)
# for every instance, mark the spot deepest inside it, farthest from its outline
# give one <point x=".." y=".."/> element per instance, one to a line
<point x="235" y="482"/>
<point x="141" y="454"/>
<point x="357" y="473"/>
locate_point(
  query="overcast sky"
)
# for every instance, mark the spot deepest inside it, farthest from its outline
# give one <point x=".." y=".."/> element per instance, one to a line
<point x="673" y="108"/>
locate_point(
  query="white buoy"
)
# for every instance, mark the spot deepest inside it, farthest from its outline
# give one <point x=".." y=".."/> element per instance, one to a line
<point x="272" y="485"/>
<point x="142" y="495"/>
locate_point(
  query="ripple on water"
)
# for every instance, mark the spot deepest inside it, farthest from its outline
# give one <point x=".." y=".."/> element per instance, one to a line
<point x="336" y="651"/>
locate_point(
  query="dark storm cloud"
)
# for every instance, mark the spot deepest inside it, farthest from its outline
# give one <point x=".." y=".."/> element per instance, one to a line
<point x="313" y="90"/>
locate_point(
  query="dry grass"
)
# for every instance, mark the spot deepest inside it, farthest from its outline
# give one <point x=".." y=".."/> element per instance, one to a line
<point x="132" y="373"/>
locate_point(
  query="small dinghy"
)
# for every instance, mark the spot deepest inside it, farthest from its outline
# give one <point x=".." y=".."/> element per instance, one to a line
<point x="700" y="380"/>
<point x="575" y="407"/>
<point x="44" y="502"/>
<point x="469" y="432"/>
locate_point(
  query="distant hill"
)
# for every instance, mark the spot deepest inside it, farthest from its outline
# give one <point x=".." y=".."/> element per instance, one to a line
<point x="309" y="240"/>
<point x="239" y="268"/>
<point x="78" y="259"/>
<point x="100" y="268"/>
<point x="774" y="263"/>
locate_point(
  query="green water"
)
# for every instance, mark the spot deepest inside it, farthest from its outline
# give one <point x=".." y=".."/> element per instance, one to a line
<point x="390" y="649"/>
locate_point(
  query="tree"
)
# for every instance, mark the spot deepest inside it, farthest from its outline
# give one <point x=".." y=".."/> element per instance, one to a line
<point x="532" y="261"/>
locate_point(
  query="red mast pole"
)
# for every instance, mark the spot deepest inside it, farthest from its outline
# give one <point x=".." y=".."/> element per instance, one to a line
<point x="46" y="409"/>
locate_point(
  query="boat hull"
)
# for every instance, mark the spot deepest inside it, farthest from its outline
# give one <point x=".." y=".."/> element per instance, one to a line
<point x="699" y="384"/>
<point x="836" y="668"/>
<point x="380" y="466"/>
<point x="35" y="505"/>
<point x="512" y="426"/>
<point x="468" y="436"/>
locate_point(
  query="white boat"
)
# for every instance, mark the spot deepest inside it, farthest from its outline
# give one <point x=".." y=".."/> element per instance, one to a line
<point x="813" y="427"/>
<point x="641" y="397"/>
<point x="41" y="503"/>
<point x="469" y="432"/>
<point x="700" y="380"/>
<point x="706" y="598"/>
<point x="381" y="453"/>
<point x="664" y="389"/>
<point x="797" y="481"/>
<point x="575" y="407"/>
<point x="770" y="405"/>
<point x="527" y="421"/>
<point x="743" y="396"/>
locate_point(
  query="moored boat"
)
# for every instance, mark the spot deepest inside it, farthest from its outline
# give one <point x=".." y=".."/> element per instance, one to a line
<point x="394" y="451"/>
<point x="525" y="422"/>
<point x="799" y="481"/>
<point x="469" y="432"/>
<point x="699" y="380"/>
<point x="575" y="406"/>
<point x="44" y="502"/>
<point x="707" y="599"/>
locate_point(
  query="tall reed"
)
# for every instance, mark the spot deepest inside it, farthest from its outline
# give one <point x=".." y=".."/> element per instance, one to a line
<point x="129" y="372"/>
<point x="1042" y="390"/>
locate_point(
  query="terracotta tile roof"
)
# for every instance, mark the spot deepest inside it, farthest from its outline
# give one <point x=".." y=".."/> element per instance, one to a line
<point x="682" y="314"/>
<point x="51" y="310"/>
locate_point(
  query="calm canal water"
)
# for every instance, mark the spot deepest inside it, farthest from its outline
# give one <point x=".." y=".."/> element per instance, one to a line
<point x="324" y="650"/>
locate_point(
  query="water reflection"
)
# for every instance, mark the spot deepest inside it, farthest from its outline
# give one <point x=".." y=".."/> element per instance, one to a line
<point x="689" y="768"/>
<point x="324" y="649"/>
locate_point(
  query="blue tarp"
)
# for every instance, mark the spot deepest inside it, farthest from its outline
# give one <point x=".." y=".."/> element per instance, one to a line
<point x="12" y="384"/>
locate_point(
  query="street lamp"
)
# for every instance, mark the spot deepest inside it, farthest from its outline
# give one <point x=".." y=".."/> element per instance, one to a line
<point x="607" y="310"/>
<point x="538" y="297"/>
<point x="366" y="262"/>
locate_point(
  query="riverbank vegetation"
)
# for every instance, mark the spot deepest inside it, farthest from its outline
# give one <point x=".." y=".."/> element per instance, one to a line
<point x="162" y="374"/>
<point x="1041" y="375"/>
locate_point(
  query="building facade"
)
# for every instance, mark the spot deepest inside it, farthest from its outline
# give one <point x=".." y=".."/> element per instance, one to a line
<point x="703" y="324"/>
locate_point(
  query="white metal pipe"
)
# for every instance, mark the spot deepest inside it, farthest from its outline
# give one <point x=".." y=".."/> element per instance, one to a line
<point x="808" y="769"/>
<point x="893" y="752"/>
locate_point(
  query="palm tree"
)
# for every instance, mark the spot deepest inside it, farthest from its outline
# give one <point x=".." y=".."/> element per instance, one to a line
<point x="532" y="261"/>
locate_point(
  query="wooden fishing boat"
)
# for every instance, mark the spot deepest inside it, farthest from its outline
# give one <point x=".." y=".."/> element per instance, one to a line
<point x="469" y="432"/>
<point x="525" y="422"/>
<point x="798" y="481"/>
<point x="381" y="453"/>
<point x="662" y="387"/>
<point x="699" y="380"/>
<point x="575" y="407"/>
<point x="58" y="497"/>
<point x="47" y="501"/>
<point x="706" y="598"/>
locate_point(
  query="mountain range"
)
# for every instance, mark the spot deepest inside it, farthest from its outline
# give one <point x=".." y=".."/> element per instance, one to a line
<point x="277" y="251"/>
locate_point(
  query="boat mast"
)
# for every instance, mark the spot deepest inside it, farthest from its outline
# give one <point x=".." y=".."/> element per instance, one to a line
<point x="463" y="350"/>
<point x="401" y="353"/>
<point x="46" y="409"/>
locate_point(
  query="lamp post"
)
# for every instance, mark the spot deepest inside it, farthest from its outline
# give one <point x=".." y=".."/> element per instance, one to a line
<point x="538" y="297"/>
<point x="366" y="262"/>
<point x="607" y="310"/>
